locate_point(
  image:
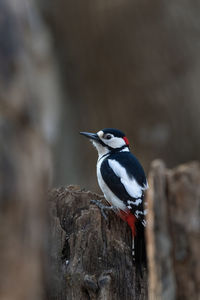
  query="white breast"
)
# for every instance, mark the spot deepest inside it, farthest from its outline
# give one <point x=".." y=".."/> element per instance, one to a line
<point x="108" y="194"/>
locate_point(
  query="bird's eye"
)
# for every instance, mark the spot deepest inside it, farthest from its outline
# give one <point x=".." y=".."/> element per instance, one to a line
<point x="108" y="136"/>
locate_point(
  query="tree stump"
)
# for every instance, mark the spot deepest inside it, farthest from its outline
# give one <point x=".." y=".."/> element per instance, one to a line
<point x="90" y="257"/>
<point x="173" y="234"/>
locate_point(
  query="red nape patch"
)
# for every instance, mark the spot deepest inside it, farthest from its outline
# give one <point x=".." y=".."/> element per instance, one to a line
<point x="130" y="219"/>
<point x="126" y="140"/>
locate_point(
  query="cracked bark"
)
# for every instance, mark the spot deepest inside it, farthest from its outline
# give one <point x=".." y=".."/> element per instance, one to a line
<point x="90" y="258"/>
<point x="173" y="234"/>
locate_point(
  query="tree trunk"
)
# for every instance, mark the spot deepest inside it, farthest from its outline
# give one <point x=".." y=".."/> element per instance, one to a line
<point x="173" y="234"/>
<point x="90" y="258"/>
<point x="26" y="110"/>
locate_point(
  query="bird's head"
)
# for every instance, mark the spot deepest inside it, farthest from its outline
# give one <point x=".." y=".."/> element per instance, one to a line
<point x="107" y="140"/>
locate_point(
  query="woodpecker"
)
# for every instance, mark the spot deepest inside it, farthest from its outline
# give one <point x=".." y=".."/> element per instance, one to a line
<point x="123" y="182"/>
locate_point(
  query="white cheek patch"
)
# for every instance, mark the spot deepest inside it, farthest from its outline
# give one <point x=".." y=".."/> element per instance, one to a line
<point x="115" y="142"/>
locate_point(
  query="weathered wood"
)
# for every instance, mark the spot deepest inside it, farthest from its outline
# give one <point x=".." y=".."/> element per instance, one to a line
<point x="161" y="285"/>
<point x="173" y="234"/>
<point x="90" y="258"/>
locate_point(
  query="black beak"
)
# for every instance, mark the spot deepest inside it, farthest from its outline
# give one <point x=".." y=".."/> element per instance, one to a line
<point x="91" y="136"/>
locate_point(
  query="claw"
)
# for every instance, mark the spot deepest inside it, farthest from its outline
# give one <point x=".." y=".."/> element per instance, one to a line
<point x="102" y="208"/>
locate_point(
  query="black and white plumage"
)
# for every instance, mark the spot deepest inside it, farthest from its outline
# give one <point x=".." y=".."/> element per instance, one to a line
<point x="120" y="177"/>
<point x="122" y="180"/>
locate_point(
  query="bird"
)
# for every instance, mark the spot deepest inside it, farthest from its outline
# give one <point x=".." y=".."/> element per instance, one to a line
<point x="123" y="182"/>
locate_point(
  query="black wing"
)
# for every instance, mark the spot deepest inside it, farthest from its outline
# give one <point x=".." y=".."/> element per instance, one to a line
<point x="125" y="177"/>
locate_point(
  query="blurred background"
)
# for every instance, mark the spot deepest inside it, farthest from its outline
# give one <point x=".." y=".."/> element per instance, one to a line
<point x="68" y="66"/>
<point x="131" y="65"/>
<point x="88" y="65"/>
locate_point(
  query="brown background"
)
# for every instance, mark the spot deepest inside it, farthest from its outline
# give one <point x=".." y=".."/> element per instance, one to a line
<point x="132" y="65"/>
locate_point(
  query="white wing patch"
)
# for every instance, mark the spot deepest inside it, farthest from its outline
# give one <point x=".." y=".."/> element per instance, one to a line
<point x="132" y="187"/>
<point x="136" y="202"/>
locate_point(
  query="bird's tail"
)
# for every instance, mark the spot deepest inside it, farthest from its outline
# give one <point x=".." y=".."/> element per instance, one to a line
<point x="138" y="240"/>
<point x="140" y="247"/>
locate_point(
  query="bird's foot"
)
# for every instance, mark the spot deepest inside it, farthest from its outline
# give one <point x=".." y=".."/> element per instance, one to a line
<point x="102" y="207"/>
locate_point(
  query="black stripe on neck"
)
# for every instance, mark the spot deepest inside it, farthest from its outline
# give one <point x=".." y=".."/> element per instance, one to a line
<point x="113" y="150"/>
